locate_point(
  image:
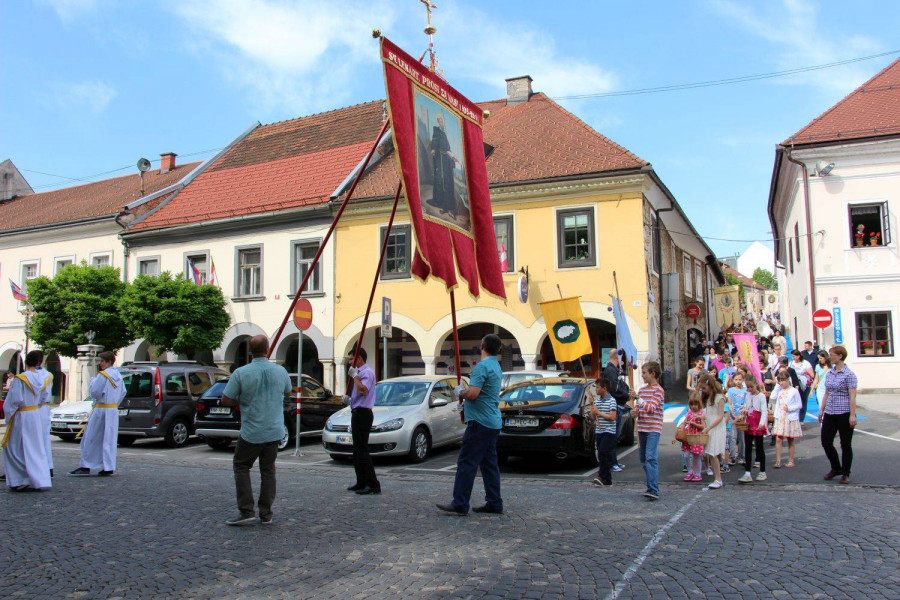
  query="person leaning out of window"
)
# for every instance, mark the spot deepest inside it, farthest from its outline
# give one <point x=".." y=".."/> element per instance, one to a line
<point x="838" y="414"/>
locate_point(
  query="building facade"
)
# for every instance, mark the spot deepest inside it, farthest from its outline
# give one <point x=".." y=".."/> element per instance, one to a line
<point x="833" y="207"/>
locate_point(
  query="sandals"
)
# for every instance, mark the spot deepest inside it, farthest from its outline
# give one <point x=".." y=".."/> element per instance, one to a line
<point x="789" y="464"/>
<point x="777" y="465"/>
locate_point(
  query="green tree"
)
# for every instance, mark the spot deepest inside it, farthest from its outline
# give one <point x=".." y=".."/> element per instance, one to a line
<point x="175" y="314"/>
<point x="80" y="298"/>
<point x="765" y="278"/>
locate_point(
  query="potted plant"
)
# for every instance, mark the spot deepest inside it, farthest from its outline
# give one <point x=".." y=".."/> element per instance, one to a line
<point x="860" y="234"/>
<point x="875" y="238"/>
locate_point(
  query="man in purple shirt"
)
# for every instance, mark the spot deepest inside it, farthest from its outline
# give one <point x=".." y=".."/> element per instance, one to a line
<point x="362" y="399"/>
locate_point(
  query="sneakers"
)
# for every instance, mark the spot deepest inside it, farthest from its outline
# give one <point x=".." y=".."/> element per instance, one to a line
<point x="617" y="468"/>
<point x="105" y="473"/>
<point x="79" y="472"/>
<point x="266" y="521"/>
<point x="597" y="481"/>
<point x="689" y="477"/>
<point x="709" y="472"/>
<point x="651" y="495"/>
<point x="697" y="478"/>
<point x="726" y="469"/>
<point x="715" y="485"/>
<point x="684" y="469"/>
<point x="761" y="476"/>
<point x="746" y="478"/>
<point x="756" y="465"/>
<point x="242" y="520"/>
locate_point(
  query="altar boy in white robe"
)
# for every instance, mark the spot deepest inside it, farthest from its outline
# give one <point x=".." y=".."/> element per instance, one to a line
<point x="101" y="435"/>
<point x="24" y="446"/>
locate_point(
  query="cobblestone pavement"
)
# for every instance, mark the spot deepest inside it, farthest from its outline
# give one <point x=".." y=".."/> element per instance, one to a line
<point x="155" y="530"/>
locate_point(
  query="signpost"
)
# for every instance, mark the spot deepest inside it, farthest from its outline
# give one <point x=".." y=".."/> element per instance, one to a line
<point x="386" y="332"/>
<point x="302" y="319"/>
<point x="692" y="311"/>
<point x="838" y="329"/>
<point x="822" y="318"/>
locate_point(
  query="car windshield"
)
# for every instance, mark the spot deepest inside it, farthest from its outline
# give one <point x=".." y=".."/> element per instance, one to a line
<point x="552" y="392"/>
<point x="400" y="393"/>
<point x="215" y="391"/>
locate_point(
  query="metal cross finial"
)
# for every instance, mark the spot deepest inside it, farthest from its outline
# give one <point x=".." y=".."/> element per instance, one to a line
<point x="90" y="335"/>
<point x="430" y="30"/>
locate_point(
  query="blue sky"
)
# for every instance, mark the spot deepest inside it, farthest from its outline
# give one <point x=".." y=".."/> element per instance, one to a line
<point x="92" y="85"/>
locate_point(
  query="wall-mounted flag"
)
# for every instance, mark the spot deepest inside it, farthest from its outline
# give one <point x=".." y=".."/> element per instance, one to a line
<point x="567" y="329"/>
<point x="17" y="292"/>
<point x="195" y="274"/>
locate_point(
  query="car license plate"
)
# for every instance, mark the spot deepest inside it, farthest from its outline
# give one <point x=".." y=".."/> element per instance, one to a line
<point x="344" y="439"/>
<point x="59" y="426"/>
<point x="522" y="422"/>
<point x="123" y="412"/>
<point x="220" y="410"/>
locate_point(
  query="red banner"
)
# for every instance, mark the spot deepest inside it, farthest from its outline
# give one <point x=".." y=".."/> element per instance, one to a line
<point x="440" y="156"/>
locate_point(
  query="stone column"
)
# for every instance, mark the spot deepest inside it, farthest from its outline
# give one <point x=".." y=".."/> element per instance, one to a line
<point x="530" y="361"/>
<point x="429" y="364"/>
<point x="328" y="374"/>
<point x="340" y="375"/>
<point x="87" y="369"/>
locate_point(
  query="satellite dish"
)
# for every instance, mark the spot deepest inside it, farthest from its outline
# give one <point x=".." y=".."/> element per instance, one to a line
<point x="143" y="165"/>
<point x="670" y="323"/>
<point x="764" y="329"/>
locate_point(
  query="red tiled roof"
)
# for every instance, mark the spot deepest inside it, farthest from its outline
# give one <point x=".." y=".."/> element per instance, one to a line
<point x="285" y="165"/>
<point x="871" y="110"/>
<point x="743" y="278"/>
<point x="532" y="140"/>
<point x="96" y="199"/>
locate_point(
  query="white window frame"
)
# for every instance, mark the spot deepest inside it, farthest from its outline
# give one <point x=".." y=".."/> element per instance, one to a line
<point x="698" y="280"/>
<point x="187" y="265"/>
<point x="238" y="271"/>
<point x="148" y="259"/>
<point x="687" y="264"/>
<point x="295" y="275"/>
<point x="58" y="259"/>
<point x="93" y="255"/>
<point x="848" y="223"/>
<point x="36" y="262"/>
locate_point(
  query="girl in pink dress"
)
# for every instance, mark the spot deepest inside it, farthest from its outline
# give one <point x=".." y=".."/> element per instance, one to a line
<point x="694" y="422"/>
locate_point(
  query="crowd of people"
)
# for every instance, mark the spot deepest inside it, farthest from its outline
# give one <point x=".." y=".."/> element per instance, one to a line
<point x="733" y="407"/>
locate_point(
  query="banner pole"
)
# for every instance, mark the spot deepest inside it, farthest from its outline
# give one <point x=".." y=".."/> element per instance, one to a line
<point x="628" y="367"/>
<point x="387" y="236"/>
<point x="327" y="237"/>
<point x="299" y="393"/>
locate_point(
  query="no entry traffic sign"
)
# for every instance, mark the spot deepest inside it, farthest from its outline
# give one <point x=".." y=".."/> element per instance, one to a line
<point x="303" y="314"/>
<point x="822" y="318"/>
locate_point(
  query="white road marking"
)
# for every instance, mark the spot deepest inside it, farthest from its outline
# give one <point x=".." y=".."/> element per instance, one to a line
<point x="876" y="435"/>
<point x="648" y="549"/>
<point x="423" y="469"/>
<point x="448" y="468"/>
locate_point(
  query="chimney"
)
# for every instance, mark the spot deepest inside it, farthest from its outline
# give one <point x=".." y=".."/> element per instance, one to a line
<point x="518" y="89"/>
<point x="166" y="162"/>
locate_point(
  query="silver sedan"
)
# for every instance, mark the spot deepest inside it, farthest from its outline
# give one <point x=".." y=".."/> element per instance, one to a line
<point x="412" y="415"/>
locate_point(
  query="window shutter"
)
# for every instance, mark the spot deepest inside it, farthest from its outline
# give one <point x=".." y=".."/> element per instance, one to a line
<point x="885" y="224"/>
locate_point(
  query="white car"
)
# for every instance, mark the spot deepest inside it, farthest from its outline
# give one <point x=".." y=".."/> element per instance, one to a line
<point x="412" y="415"/>
<point x="67" y="420"/>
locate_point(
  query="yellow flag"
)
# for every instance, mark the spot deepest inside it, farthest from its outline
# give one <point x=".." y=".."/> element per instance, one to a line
<point x="728" y="305"/>
<point x="566" y="327"/>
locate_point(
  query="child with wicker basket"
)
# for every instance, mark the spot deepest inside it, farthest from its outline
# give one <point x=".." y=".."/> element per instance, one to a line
<point x="756" y="413"/>
<point x="690" y="434"/>
<point x="787" y="417"/>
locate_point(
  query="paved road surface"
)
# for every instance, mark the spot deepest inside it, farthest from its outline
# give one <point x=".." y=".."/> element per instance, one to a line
<point x="155" y="530"/>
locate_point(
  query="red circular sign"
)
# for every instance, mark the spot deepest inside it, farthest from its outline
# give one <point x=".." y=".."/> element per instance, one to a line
<point x="822" y="318"/>
<point x="692" y="311"/>
<point x="303" y="314"/>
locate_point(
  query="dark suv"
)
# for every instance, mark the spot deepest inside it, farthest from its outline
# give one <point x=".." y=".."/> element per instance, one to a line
<point x="220" y="425"/>
<point x="161" y="399"/>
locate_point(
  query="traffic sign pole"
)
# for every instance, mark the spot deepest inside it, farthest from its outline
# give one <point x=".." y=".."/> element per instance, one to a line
<point x="299" y="393"/>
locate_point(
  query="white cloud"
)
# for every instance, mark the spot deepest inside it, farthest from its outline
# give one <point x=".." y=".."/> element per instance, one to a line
<point x="83" y="97"/>
<point x="288" y="53"/>
<point x="69" y="9"/>
<point x="801" y="39"/>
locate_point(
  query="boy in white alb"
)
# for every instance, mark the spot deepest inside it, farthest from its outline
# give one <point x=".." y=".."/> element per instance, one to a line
<point x="101" y="435"/>
<point x="23" y="443"/>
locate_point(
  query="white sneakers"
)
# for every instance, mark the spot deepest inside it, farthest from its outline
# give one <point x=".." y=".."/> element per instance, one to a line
<point x="715" y="485"/>
<point x="761" y="476"/>
<point x="746" y="478"/>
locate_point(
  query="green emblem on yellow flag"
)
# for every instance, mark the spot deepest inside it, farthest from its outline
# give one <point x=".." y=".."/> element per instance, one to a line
<point x="567" y="329"/>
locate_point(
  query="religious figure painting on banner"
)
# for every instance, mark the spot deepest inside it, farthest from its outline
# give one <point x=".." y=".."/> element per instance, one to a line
<point x="441" y="164"/>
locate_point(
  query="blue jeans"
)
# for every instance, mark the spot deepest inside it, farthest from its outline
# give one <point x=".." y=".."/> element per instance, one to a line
<point x="649" y="454"/>
<point x="479" y="449"/>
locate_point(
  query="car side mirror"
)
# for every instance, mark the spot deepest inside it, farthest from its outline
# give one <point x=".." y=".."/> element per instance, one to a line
<point x="435" y="402"/>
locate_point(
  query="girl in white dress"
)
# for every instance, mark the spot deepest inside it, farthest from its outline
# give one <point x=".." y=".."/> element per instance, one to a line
<point x="714" y="401"/>
<point x="787" y="417"/>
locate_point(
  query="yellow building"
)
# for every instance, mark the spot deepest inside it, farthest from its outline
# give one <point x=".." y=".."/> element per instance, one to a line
<point x="570" y="208"/>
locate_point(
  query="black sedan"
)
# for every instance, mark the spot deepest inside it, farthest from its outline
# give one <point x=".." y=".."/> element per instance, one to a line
<point x="220" y="425"/>
<point x="552" y="416"/>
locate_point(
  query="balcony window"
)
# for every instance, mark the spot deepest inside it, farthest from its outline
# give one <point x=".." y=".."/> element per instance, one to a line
<point x="869" y="225"/>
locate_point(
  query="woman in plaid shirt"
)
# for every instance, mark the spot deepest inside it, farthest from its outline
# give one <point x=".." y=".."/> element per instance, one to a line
<point x="838" y="414"/>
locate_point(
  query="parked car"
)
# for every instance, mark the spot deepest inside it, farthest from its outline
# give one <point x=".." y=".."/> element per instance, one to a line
<point x="412" y="416"/>
<point x="220" y="425"/>
<point x="551" y="416"/>
<point x="67" y="420"/>
<point x="511" y="377"/>
<point x="161" y="399"/>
